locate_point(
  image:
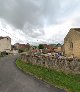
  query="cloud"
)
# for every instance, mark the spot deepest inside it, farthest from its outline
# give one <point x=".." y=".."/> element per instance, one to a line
<point x="36" y="13"/>
<point x="33" y="12"/>
<point x="42" y="20"/>
<point x="29" y="15"/>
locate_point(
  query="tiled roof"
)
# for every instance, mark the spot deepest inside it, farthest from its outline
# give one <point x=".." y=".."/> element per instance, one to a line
<point x="1" y="37"/>
<point x="76" y="29"/>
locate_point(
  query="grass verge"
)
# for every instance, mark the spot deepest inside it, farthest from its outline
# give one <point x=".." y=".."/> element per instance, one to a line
<point x="67" y="81"/>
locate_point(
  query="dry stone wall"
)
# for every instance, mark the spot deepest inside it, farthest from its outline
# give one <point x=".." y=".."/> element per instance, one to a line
<point x="66" y="65"/>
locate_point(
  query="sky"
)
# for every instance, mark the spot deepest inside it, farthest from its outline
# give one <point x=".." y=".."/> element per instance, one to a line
<point x="38" y="21"/>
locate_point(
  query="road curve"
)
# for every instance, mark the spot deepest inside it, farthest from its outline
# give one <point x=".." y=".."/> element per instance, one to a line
<point x="14" y="80"/>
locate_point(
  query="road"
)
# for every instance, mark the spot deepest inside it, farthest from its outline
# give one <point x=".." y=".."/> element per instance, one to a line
<point x="14" y="80"/>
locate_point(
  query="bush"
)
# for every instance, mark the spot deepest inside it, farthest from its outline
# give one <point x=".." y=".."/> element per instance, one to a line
<point x="41" y="46"/>
<point x="21" y="50"/>
<point x="4" y="53"/>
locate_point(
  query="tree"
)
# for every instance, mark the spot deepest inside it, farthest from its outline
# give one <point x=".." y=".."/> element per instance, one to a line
<point x="21" y="50"/>
<point x="41" y="46"/>
<point x="58" y="44"/>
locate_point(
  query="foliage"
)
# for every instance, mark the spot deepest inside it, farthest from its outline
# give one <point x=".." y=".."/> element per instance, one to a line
<point x="58" y="44"/>
<point x="67" y="81"/>
<point x="21" y="50"/>
<point x="1" y="55"/>
<point x="35" y="47"/>
<point x="41" y="46"/>
<point x="4" y="53"/>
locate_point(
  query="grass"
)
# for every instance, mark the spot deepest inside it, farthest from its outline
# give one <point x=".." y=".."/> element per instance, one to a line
<point x="70" y="82"/>
<point x="1" y="55"/>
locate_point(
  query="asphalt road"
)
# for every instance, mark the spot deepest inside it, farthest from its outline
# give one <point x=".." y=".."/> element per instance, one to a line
<point x="14" y="80"/>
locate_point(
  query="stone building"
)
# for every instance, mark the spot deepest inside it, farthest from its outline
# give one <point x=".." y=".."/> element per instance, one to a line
<point x="22" y="46"/>
<point x="5" y="44"/>
<point x="72" y="43"/>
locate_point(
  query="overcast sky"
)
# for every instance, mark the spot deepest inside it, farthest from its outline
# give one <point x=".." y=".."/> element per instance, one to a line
<point x="38" y="21"/>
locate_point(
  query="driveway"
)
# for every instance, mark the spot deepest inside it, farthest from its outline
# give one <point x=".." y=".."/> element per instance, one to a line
<point x="14" y="80"/>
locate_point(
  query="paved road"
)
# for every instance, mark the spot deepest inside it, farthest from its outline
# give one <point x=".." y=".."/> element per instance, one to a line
<point x="13" y="80"/>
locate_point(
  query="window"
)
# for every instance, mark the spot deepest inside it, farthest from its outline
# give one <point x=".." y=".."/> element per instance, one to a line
<point x="71" y="45"/>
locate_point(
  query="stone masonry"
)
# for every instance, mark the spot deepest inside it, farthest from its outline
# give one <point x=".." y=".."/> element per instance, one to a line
<point x="67" y="65"/>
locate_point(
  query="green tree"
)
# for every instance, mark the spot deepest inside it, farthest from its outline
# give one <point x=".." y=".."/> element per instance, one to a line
<point x="58" y="44"/>
<point x="21" y="50"/>
<point x="41" y="46"/>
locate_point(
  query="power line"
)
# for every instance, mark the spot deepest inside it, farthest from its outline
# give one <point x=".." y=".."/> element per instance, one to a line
<point x="12" y="35"/>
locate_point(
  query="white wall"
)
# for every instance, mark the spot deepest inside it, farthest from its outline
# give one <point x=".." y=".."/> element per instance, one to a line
<point x="5" y="44"/>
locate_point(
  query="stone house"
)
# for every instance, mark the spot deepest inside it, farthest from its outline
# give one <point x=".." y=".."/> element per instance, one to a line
<point x="58" y="49"/>
<point x="5" y="44"/>
<point x="72" y="43"/>
<point x="49" y="47"/>
<point x="22" y="46"/>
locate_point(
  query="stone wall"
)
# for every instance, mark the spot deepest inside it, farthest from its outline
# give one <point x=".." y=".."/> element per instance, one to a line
<point x="63" y="64"/>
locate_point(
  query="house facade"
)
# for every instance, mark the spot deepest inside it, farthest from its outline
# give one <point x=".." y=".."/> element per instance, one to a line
<point x="5" y="44"/>
<point x="72" y="43"/>
<point x="22" y="46"/>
